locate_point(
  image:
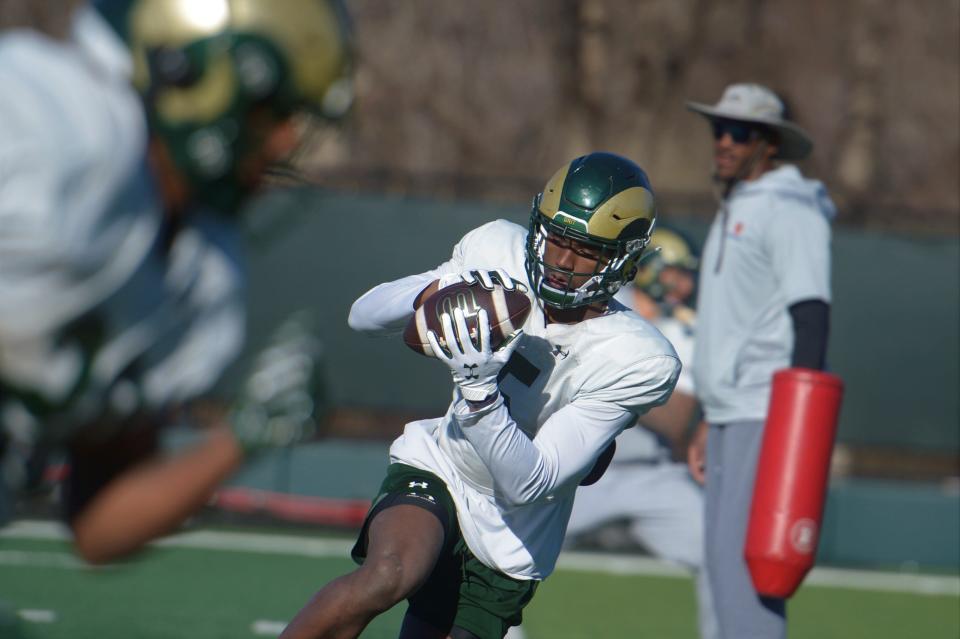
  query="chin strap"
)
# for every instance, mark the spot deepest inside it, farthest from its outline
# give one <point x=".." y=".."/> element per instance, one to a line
<point x="594" y="283"/>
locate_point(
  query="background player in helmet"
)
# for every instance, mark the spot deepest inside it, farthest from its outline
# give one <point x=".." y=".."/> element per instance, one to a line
<point x="662" y="293"/>
<point x="763" y="305"/>
<point x="666" y="284"/>
<point x="123" y="279"/>
<point x="471" y="516"/>
<point x="646" y="486"/>
<point x="222" y="81"/>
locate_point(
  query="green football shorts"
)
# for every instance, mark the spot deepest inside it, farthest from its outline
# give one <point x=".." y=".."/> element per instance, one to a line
<point x="461" y="591"/>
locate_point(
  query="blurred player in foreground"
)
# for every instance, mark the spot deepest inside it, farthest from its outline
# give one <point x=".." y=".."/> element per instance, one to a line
<point x="763" y="305"/>
<point x="645" y="484"/>
<point x="121" y="267"/>
<point x="472" y="514"/>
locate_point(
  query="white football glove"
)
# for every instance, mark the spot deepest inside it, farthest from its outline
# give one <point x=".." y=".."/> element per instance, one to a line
<point x="474" y="368"/>
<point x="281" y="399"/>
<point x="487" y="279"/>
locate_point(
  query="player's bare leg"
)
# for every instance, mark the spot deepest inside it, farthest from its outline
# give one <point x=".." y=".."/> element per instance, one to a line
<point x="404" y="542"/>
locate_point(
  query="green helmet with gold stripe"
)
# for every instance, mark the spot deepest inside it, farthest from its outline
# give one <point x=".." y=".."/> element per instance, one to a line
<point x="669" y="249"/>
<point x="603" y="202"/>
<point x="205" y="66"/>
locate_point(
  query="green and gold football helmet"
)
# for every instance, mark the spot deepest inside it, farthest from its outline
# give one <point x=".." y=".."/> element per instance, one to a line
<point x="203" y="66"/>
<point x="602" y="201"/>
<point x="670" y="249"/>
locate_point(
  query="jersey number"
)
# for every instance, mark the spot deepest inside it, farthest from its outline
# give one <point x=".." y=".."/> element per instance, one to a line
<point x="522" y="370"/>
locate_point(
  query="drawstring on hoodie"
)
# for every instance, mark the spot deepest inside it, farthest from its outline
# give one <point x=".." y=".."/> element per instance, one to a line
<point x="721" y="192"/>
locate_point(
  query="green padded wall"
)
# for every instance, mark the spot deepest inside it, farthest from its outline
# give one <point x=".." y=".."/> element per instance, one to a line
<point x="894" y="335"/>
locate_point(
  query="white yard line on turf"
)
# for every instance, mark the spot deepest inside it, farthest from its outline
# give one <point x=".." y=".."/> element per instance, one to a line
<point x="576" y="561"/>
<point x="30" y="529"/>
<point x="204" y="540"/>
<point x="39" y="559"/>
<point x="267" y="628"/>
<point x="616" y="564"/>
<point x="37" y="616"/>
<point x="260" y="543"/>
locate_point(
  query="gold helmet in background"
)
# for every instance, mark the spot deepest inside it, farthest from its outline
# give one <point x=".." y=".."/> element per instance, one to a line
<point x="203" y="66"/>
<point x="668" y="249"/>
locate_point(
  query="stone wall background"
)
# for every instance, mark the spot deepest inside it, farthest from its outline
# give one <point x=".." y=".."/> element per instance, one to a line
<point x="484" y="100"/>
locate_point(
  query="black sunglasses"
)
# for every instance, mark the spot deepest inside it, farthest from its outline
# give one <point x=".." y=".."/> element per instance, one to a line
<point x="740" y="132"/>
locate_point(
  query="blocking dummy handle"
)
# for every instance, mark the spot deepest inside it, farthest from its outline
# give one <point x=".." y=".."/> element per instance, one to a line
<point x="791" y="481"/>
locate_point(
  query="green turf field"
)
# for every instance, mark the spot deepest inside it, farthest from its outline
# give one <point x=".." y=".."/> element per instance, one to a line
<point x="238" y="586"/>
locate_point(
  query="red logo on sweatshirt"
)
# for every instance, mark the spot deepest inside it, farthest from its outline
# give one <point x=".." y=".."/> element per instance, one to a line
<point x="738" y="228"/>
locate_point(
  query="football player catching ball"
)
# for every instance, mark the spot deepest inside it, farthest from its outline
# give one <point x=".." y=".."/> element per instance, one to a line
<point x="473" y="510"/>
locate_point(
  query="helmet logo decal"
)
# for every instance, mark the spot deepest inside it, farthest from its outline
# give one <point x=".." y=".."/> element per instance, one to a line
<point x="568" y="220"/>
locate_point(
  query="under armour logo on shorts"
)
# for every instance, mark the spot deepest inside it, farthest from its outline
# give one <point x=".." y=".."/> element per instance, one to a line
<point x="417" y="484"/>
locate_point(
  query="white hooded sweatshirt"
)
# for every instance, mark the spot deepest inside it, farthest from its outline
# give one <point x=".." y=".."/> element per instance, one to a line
<point x="768" y="248"/>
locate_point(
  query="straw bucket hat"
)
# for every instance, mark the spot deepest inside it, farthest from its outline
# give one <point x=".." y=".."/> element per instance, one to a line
<point x="755" y="103"/>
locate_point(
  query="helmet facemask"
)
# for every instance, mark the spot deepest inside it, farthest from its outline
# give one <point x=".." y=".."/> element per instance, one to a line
<point x="616" y="263"/>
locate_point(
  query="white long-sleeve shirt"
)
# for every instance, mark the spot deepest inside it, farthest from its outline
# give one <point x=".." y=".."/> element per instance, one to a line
<point x="569" y="390"/>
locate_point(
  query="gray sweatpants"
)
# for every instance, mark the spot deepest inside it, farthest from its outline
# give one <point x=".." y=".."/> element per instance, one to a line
<point x="732" y="451"/>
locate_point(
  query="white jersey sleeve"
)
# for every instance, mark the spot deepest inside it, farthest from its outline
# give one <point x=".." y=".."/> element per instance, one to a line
<point x="386" y="308"/>
<point x="527" y="470"/>
<point x="567" y="445"/>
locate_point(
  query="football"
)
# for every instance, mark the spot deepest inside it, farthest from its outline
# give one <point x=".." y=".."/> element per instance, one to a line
<point x="506" y="312"/>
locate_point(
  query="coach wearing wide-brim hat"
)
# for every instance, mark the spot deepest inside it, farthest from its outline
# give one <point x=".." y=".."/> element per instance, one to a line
<point x="762" y="306"/>
<point x="752" y="113"/>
